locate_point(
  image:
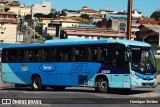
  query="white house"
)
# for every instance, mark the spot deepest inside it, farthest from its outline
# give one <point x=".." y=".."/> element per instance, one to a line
<point x="136" y="14"/>
<point x="51" y="29"/>
<point x="72" y="13"/>
<point x="8" y="32"/>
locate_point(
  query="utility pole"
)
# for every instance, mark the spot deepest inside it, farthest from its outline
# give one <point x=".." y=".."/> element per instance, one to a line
<point x="129" y="19"/>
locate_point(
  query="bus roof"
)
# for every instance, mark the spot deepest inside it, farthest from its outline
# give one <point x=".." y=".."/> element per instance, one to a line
<point x="79" y="41"/>
<point x="129" y="42"/>
<point x="59" y="42"/>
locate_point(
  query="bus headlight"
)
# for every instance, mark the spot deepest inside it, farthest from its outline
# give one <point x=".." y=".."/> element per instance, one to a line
<point x="135" y="76"/>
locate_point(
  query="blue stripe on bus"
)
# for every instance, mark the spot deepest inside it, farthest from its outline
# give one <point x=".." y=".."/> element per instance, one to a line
<point x="109" y="69"/>
<point x="144" y="76"/>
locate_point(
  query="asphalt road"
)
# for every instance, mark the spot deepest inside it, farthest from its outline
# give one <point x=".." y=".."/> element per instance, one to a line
<point x="79" y="97"/>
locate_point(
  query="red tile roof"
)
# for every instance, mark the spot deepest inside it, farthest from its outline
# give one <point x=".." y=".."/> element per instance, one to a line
<point x="148" y="21"/>
<point x="107" y="10"/>
<point x="87" y="10"/>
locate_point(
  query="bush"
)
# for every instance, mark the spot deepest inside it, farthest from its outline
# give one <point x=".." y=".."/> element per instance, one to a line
<point x="158" y="64"/>
<point x="48" y="37"/>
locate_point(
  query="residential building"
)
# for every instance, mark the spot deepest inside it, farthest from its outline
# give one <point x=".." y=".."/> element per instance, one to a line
<point x="120" y="25"/>
<point x="115" y="16"/>
<point x="14" y="3"/>
<point x="136" y="14"/>
<point x="72" y="13"/>
<point x="148" y="21"/>
<point x="5" y="1"/>
<point x="66" y="23"/>
<point x="53" y="28"/>
<point x="7" y="17"/>
<point x="4" y="7"/>
<point x="50" y="31"/>
<point x="8" y="32"/>
<point x="123" y="14"/>
<point x="85" y="10"/>
<point x="21" y="10"/>
<point x="44" y="8"/>
<point x="149" y="33"/>
<point x="90" y="35"/>
<point x="94" y="20"/>
<point x="103" y="11"/>
<point x="45" y="20"/>
<point x="117" y="24"/>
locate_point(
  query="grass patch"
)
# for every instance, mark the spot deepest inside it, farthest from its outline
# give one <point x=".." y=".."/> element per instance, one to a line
<point x="158" y="64"/>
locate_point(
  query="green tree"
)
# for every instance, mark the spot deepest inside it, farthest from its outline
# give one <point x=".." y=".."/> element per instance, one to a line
<point x="49" y="37"/>
<point x="84" y="16"/>
<point x="38" y="15"/>
<point x="63" y="13"/>
<point x="52" y="15"/>
<point x="28" y="17"/>
<point x="156" y="15"/>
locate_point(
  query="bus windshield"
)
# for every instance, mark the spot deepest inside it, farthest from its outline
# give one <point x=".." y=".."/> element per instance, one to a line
<point x="142" y="60"/>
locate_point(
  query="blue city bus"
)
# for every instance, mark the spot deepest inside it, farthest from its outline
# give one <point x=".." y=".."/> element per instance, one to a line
<point x="103" y="64"/>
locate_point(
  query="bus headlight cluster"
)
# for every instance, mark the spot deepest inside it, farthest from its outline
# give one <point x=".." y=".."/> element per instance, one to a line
<point x="135" y="76"/>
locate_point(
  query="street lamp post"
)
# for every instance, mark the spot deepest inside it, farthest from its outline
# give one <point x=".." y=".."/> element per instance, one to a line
<point x="129" y="19"/>
<point x="159" y="36"/>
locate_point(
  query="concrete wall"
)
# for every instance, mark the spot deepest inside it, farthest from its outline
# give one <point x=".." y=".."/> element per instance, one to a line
<point x="8" y="32"/>
<point x="67" y="24"/>
<point x="44" y="7"/>
<point x="73" y="14"/>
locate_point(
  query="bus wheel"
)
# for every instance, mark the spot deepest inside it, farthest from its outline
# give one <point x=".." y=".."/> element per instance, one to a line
<point x="102" y="86"/>
<point x="59" y="88"/>
<point x="37" y="84"/>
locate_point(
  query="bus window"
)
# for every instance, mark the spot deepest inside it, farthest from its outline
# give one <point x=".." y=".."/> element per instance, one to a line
<point x="5" y="56"/>
<point x="64" y="53"/>
<point x="20" y="55"/>
<point x="126" y="61"/>
<point x="93" y="53"/>
<point x="35" y="54"/>
<point x="12" y="55"/>
<point x="89" y="55"/>
<point x="106" y="55"/>
<point x="30" y="55"/>
<point x="45" y="55"/>
<point x="99" y="53"/>
<point x="52" y="54"/>
<point x="78" y="54"/>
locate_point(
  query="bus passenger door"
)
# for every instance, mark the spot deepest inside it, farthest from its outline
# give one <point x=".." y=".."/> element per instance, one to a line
<point x="120" y="63"/>
<point x="126" y="75"/>
<point x="116" y="62"/>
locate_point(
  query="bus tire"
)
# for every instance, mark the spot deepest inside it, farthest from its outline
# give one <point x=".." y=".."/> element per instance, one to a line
<point x="37" y="84"/>
<point x="102" y="86"/>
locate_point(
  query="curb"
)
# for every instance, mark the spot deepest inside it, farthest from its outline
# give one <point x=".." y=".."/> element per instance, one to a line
<point x="158" y="78"/>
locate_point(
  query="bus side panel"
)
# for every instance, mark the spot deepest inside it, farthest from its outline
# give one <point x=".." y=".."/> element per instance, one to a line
<point x="117" y="77"/>
<point x="74" y="74"/>
<point x="11" y="73"/>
